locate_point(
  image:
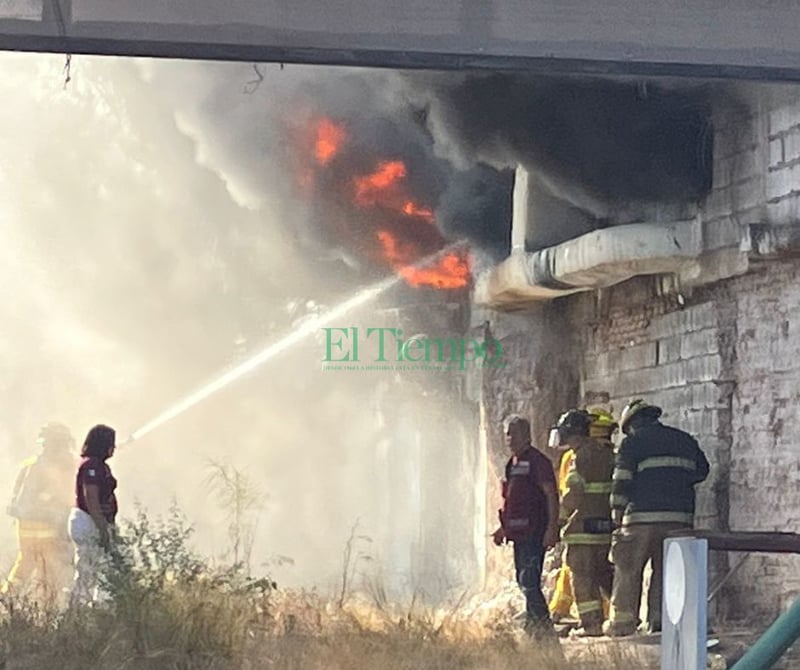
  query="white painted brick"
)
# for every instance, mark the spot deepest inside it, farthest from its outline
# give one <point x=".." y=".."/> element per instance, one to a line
<point x="715" y="447"/>
<point x="782" y="182"/>
<point x="791" y="145"/>
<point x="784" y="211"/>
<point x="748" y="419"/>
<point x="776" y="155"/>
<point x="718" y="203"/>
<point x="709" y="395"/>
<point x="636" y="382"/>
<point x="636" y="357"/>
<point x="596" y="385"/>
<point x="744" y="165"/>
<point x="669" y="349"/>
<point x="702" y="422"/>
<point x="752" y="215"/>
<point x="692" y="318"/>
<point x="750" y="193"/>
<point x="703" y="368"/>
<point x="639" y="382"/>
<point x="783" y="118"/>
<point x="786" y="359"/>
<point x="596" y="365"/>
<point x="722" y="232"/>
<point x="700" y="343"/>
<point x="673" y="401"/>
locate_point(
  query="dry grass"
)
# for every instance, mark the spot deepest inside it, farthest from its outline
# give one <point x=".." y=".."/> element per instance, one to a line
<point x="202" y="626"/>
<point x="168" y="610"/>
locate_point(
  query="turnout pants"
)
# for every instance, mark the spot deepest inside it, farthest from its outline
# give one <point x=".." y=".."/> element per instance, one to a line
<point x="561" y="604"/>
<point x="591" y="580"/>
<point x="631" y="548"/>
<point x="42" y="564"/>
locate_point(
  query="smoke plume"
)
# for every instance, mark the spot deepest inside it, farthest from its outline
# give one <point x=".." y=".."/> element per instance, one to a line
<point x="597" y="143"/>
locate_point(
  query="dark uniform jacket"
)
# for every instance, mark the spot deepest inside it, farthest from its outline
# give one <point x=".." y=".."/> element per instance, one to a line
<point x="655" y="473"/>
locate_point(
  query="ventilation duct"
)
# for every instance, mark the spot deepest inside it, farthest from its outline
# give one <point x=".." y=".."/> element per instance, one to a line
<point x="595" y="260"/>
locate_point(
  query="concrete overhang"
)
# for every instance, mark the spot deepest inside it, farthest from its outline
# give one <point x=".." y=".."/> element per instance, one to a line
<point x="716" y="38"/>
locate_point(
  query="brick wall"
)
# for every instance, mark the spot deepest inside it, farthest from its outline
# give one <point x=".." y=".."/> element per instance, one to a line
<point x="783" y="163"/>
<point x="677" y="358"/>
<point x="765" y="455"/>
<point x="722" y="360"/>
<point x="540" y="378"/>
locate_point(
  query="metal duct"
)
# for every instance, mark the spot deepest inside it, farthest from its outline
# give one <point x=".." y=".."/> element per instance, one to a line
<point x="595" y="260"/>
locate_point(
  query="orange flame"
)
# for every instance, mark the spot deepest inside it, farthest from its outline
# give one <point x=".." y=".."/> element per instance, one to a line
<point x="371" y="189"/>
<point x="412" y="209"/>
<point x="450" y="271"/>
<point x="330" y="138"/>
<point x="385" y="189"/>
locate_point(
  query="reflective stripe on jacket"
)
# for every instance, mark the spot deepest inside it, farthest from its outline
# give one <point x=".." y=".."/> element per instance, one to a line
<point x="656" y="470"/>
<point x="586" y="498"/>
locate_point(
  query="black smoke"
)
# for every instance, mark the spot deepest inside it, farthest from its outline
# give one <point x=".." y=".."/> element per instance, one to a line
<point x="472" y="204"/>
<point x="595" y="145"/>
<point x="598" y="143"/>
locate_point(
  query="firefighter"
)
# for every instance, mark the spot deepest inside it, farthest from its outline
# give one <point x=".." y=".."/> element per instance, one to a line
<point x="587" y="531"/>
<point x="529" y="519"/>
<point x="656" y="470"/>
<point x="562" y="602"/>
<point x="40" y="504"/>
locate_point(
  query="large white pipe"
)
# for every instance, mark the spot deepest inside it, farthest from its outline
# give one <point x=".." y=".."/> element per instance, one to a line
<point x="594" y="260"/>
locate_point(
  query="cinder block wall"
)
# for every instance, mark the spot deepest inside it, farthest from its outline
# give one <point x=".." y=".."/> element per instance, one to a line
<point x="646" y="346"/>
<point x="783" y="162"/>
<point x="725" y="365"/>
<point x="723" y="361"/>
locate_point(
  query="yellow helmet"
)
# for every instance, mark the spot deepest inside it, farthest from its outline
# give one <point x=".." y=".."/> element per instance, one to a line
<point x="603" y="423"/>
<point x="640" y="409"/>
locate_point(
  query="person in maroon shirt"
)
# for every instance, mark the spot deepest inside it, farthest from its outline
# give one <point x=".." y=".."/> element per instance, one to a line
<point x="529" y="518"/>
<point x="91" y="522"/>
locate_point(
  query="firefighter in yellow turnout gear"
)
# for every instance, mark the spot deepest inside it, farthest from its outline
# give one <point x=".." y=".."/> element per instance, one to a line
<point x="562" y="603"/>
<point x="41" y="501"/>
<point x="587" y="532"/>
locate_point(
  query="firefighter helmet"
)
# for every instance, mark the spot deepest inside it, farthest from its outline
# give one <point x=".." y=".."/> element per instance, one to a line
<point x="641" y="411"/>
<point x="603" y="423"/>
<point x="54" y="434"/>
<point x="571" y="423"/>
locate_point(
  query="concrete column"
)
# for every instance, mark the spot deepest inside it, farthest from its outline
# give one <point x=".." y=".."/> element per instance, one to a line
<point x="519" y="218"/>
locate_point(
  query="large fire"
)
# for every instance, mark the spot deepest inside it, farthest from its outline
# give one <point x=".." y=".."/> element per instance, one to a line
<point x="451" y="270"/>
<point x="330" y="137"/>
<point x="403" y="230"/>
<point x="385" y="188"/>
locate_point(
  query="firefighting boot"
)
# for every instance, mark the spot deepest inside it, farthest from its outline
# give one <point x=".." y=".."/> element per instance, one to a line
<point x="618" y="628"/>
<point x="590" y="630"/>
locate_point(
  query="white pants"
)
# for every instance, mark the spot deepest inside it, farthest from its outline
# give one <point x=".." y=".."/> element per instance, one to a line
<point x="89" y="557"/>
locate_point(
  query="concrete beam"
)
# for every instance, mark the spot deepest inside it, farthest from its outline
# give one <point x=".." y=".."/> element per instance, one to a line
<point x="712" y="38"/>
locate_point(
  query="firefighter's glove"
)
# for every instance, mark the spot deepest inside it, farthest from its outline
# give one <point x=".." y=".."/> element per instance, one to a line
<point x="499" y="536"/>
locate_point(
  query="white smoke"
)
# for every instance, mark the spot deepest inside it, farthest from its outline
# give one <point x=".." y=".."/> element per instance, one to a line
<point x="148" y="242"/>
